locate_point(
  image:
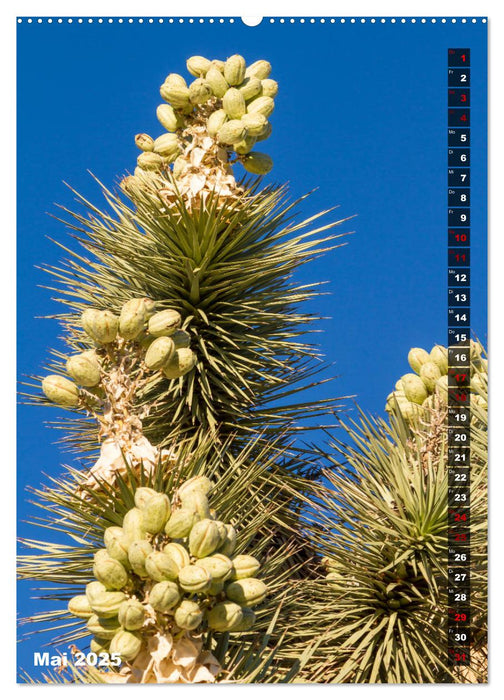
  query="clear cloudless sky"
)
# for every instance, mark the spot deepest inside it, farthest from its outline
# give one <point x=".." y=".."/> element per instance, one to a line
<point x="361" y="116"/>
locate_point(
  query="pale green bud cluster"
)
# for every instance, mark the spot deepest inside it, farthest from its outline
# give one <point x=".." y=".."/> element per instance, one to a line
<point x="234" y="100"/>
<point x="414" y="391"/>
<point x="156" y="335"/>
<point x="169" y="567"/>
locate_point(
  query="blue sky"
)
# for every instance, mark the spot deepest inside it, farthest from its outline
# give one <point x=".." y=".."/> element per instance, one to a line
<point x="361" y="116"/>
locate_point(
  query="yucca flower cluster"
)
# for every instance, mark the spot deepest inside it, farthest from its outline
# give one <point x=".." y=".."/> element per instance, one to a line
<point x="211" y="123"/>
<point x="169" y="571"/>
<point x="417" y="391"/>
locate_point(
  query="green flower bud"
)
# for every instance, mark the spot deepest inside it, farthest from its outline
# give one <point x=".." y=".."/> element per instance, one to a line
<point x="442" y="387"/>
<point x="101" y="554"/>
<point x="222" y="532"/>
<point x="164" y="596"/>
<point x="234" y="69"/>
<point x="126" y="644"/>
<point x="133" y="525"/>
<point x="142" y="495"/>
<point x="193" y="578"/>
<point x="215" y="121"/>
<point x="164" y="322"/>
<point x="79" y="606"/>
<point x="410" y="410"/>
<point x="215" y="588"/>
<point x="107" y="604"/>
<point x="204" y="538"/>
<point x="247" y="591"/>
<point x="199" y="91"/>
<point x="439" y="355"/>
<point x="167" y="145"/>
<point x="255" y="123"/>
<point x="87" y="320"/>
<point x="266" y="132"/>
<point x="156" y="512"/>
<point x="269" y="87"/>
<point x="144" y="142"/>
<point x="414" y="388"/>
<point x="168" y="118"/>
<point x="117" y="545"/>
<point x="247" y="621"/>
<point x="132" y="318"/>
<point x="150" y="161"/>
<point x="176" y="95"/>
<point x="395" y="400"/>
<point x="181" y="339"/>
<point x="138" y="552"/>
<point x="245" y="145"/>
<point x="429" y="374"/>
<point x="131" y="614"/>
<point x="111" y="573"/>
<point x="263" y="104"/>
<point x="104" y="326"/>
<point x="178" y="553"/>
<point x="181" y="523"/>
<point x="260" y="69"/>
<point x="250" y="88"/>
<point x="258" y="163"/>
<point x="244" y="566"/>
<point x="218" y="64"/>
<point x="198" y="65"/>
<point x="161" y="567"/>
<point x="224" y="616"/>
<point x="99" y="646"/>
<point x="182" y="362"/>
<point x="428" y="404"/>
<point x="93" y="590"/>
<point x="218" y="566"/>
<point x="232" y="132"/>
<point x="160" y="352"/>
<point x="196" y="484"/>
<point x="84" y="369"/>
<point x="217" y="82"/>
<point x="230" y="543"/>
<point x="233" y="103"/>
<point x="196" y="503"/>
<point x="175" y="79"/>
<point x="188" y="615"/>
<point x="60" y="390"/>
<point x="104" y="628"/>
<point x="416" y="358"/>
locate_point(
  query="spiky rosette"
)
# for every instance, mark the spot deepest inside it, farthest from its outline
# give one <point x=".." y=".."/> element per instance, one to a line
<point x="226" y="271"/>
<point x="381" y="524"/>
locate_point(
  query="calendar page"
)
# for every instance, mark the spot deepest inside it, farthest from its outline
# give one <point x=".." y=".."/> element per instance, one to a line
<point x="252" y="350"/>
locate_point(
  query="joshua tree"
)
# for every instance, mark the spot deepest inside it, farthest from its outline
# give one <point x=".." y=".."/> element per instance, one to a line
<point x="203" y="541"/>
<point x="380" y="521"/>
<point x="184" y="328"/>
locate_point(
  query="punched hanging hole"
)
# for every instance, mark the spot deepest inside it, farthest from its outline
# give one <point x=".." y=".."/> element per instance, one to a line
<point x="251" y="21"/>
